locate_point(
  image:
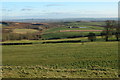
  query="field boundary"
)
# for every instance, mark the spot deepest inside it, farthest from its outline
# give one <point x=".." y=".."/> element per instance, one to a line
<point x="81" y="30"/>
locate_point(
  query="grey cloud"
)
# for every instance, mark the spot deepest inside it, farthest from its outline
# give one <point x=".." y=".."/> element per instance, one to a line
<point x="8" y="10"/>
<point x="29" y="6"/>
<point x="26" y="9"/>
<point x="50" y="5"/>
<point x="55" y="13"/>
<point x="3" y="9"/>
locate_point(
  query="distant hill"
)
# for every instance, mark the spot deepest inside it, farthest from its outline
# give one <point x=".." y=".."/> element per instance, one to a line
<point x="60" y="20"/>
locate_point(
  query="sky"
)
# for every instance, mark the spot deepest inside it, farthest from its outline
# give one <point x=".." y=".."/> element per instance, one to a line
<point x="57" y="10"/>
<point x="60" y="0"/>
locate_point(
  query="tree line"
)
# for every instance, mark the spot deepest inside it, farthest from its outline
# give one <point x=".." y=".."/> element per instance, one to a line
<point x="111" y="28"/>
<point x="8" y="35"/>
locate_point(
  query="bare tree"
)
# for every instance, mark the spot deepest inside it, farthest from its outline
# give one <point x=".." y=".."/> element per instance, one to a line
<point x="109" y="29"/>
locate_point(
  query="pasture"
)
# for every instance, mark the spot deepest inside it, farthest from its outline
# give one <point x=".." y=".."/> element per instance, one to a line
<point x="70" y="60"/>
<point x="24" y="31"/>
<point x="60" y="57"/>
<point x="87" y="23"/>
<point x="56" y="32"/>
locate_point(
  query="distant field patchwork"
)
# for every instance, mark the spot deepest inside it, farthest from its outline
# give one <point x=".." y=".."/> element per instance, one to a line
<point x="73" y="29"/>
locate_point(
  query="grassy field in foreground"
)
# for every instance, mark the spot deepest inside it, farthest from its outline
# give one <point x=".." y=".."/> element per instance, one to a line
<point x="93" y="59"/>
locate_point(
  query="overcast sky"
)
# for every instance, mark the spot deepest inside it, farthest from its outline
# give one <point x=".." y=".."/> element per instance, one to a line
<point x="65" y="9"/>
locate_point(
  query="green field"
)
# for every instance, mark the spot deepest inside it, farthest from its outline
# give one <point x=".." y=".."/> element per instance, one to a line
<point x="23" y="31"/>
<point x="66" y="28"/>
<point x="87" y="23"/>
<point x="93" y="59"/>
<point x="63" y="35"/>
<point x="54" y="32"/>
<point x="98" y="39"/>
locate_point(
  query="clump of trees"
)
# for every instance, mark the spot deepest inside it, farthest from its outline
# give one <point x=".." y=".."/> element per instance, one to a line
<point x="111" y="29"/>
<point x="92" y="37"/>
<point x="14" y="36"/>
<point x="117" y="33"/>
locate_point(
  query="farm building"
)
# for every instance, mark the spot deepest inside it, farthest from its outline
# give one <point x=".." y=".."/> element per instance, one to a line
<point x="76" y="27"/>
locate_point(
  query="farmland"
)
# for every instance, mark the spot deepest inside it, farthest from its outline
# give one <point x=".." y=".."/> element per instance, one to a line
<point x="46" y="31"/>
<point x="60" y="50"/>
<point x="55" y="31"/>
<point x="23" y="31"/>
<point x="97" y="59"/>
<point x="61" y="40"/>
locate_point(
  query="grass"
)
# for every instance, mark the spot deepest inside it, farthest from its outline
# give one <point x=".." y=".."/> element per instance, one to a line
<point x="93" y="59"/>
<point x="54" y="32"/>
<point x="62" y="35"/>
<point x="66" y="28"/>
<point x="62" y="60"/>
<point x="23" y="31"/>
<point x="98" y="38"/>
<point x="45" y="72"/>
